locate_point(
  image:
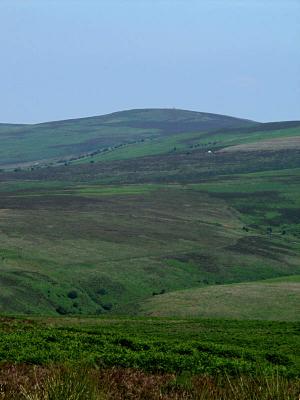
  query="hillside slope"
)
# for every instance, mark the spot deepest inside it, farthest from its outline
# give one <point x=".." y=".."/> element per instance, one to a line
<point x="276" y="299"/>
<point x="278" y="135"/>
<point x="60" y="140"/>
<point x="91" y="248"/>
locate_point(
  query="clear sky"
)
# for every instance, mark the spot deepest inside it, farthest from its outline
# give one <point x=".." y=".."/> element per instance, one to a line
<point x="71" y="58"/>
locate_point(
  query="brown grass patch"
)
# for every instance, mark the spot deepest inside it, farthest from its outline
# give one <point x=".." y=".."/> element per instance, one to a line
<point x="62" y="383"/>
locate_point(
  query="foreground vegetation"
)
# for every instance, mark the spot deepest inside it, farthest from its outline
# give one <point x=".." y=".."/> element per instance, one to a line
<point x="155" y="345"/>
<point x="121" y="358"/>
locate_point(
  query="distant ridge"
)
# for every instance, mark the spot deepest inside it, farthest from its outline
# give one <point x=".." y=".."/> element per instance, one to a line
<point x="59" y="140"/>
<point x="147" y="114"/>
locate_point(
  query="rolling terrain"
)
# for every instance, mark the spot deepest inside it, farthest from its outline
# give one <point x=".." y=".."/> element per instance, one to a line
<point x="155" y="206"/>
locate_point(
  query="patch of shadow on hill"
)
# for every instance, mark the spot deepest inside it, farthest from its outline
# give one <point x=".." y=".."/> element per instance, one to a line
<point x="256" y="245"/>
<point x="262" y="195"/>
<point x="172" y="127"/>
<point x="205" y="262"/>
<point x="260" y="127"/>
<point x="24" y="279"/>
<point x="288" y="215"/>
<point x="98" y="287"/>
<point x="44" y="201"/>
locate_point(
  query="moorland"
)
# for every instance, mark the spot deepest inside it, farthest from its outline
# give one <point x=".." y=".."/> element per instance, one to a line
<point x="162" y="241"/>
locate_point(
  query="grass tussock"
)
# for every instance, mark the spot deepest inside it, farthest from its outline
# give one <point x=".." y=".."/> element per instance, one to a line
<point x="55" y="383"/>
<point x="69" y="383"/>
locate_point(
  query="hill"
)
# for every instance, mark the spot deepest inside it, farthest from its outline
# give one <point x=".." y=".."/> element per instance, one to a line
<point x="62" y="140"/>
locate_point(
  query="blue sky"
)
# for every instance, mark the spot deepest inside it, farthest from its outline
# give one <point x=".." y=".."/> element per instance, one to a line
<point x="63" y="59"/>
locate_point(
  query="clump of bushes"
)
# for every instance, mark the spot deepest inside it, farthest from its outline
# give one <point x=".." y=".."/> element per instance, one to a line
<point x="278" y="359"/>
<point x="160" y="292"/>
<point x="102" y="292"/>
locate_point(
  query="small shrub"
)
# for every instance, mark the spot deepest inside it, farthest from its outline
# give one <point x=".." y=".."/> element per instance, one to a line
<point x="184" y="351"/>
<point x="107" y="306"/>
<point x="61" y="310"/>
<point x="126" y="343"/>
<point x="160" y="292"/>
<point x="72" y="294"/>
<point x="278" y="359"/>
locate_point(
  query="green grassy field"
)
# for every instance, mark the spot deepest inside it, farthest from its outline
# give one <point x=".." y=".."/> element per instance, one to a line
<point x="165" y="345"/>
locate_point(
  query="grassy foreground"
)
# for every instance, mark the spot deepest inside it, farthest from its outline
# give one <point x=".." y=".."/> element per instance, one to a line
<point x="122" y="358"/>
<point x="155" y="345"/>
